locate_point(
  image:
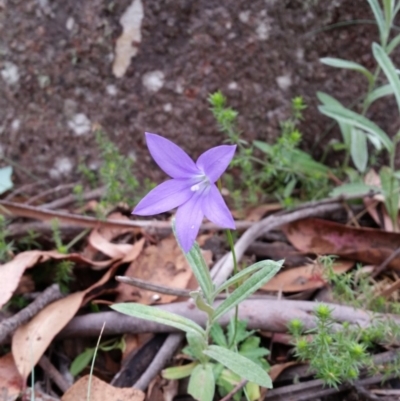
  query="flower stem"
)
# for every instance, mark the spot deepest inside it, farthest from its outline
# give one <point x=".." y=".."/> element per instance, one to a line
<point x="235" y="271"/>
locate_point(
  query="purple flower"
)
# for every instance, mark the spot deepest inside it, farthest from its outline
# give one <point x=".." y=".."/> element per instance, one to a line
<point x="192" y="188"/>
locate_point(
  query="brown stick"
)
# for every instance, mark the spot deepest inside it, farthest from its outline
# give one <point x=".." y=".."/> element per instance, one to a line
<point x="237" y="388"/>
<point x="53" y="373"/>
<point x="8" y="326"/>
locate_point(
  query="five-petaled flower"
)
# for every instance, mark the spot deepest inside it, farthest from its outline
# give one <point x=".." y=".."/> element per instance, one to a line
<point x="192" y="188"/>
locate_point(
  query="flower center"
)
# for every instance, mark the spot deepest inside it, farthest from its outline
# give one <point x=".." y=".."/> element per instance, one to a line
<point x="204" y="182"/>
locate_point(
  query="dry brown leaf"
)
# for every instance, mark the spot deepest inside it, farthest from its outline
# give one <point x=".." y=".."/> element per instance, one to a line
<point x="11" y="272"/>
<point x="323" y="237"/>
<point x="162" y="264"/>
<point x="278" y="368"/>
<point x="31" y="340"/>
<point x="309" y="277"/>
<point x="100" y="391"/>
<point x="257" y="213"/>
<point x="11" y="382"/>
<point x="114" y="251"/>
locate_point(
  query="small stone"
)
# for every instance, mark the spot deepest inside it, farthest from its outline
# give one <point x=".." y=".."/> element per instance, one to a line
<point x="80" y="124"/>
<point x="10" y="73"/>
<point x="284" y="82"/>
<point x="262" y="30"/>
<point x="70" y="23"/>
<point x="244" y="16"/>
<point x="233" y="86"/>
<point x="62" y="167"/>
<point x="16" y="124"/>
<point x="153" y="80"/>
<point x="111" y="90"/>
<point x="167" y="107"/>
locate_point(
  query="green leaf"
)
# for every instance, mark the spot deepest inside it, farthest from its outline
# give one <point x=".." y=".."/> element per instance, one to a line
<point x="263" y="146"/>
<point x="356" y="120"/>
<point x="199" y="268"/>
<point x="81" y="361"/>
<point x="384" y="90"/>
<point x="197" y="345"/>
<point x="237" y="330"/>
<point x="153" y="314"/>
<point x="243" y="274"/>
<point x="303" y="162"/>
<point x="388" y="11"/>
<point x="345" y="129"/>
<point x="349" y="65"/>
<point x="251" y="285"/>
<point x="178" y="372"/>
<point x="390" y="189"/>
<point x="359" y="150"/>
<point x="202" y="383"/>
<point x="217" y="335"/>
<point x="376" y="9"/>
<point x="356" y="188"/>
<point x="393" y="43"/>
<point x="388" y="68"/>
<point x="5" y="179"/>
<point x="240" y="365"/>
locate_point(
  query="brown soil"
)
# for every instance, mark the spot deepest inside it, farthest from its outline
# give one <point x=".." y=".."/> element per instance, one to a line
<point x="259" y="53"/>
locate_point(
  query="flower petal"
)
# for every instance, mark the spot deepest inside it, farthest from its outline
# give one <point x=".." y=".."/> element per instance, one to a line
<point x="170" y="157"/>
<point x="164" y="197"/>
<point x="215" y="161"/>
<point x="215" y="209"/>
<point x="188" y="220"/>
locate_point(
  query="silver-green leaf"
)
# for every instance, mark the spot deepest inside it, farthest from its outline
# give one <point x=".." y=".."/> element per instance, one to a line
<point x="349" y="65"/>
<point x="240" y="365"/>
<point x="154" y="314"/>
<point x="202" y="383"/>
<point x="359" y="149"/>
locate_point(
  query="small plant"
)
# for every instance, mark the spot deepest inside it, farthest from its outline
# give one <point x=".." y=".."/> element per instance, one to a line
<point x="248" y="345"/>
<point x="6" y="248"/>
<point x="283" y="169"/>
<point x="83" y="360"/>
<point x="115" y="173"/>
<point x="192" y="189"/>
<point x="335" y="356"/>
<point x="357" y="130"/>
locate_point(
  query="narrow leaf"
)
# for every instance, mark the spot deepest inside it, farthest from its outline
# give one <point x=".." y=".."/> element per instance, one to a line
<point x="242" y="274"/>
<point x="251" y="285"/>
<point x="376" y="9"/>
<point x="263" y="146"/>
<point x="240" y="365"/>
<point x="356" y="188"/>
<point x="349" y="65"/>
<point x="153" y="314"/>
<point x="81" y="361"/>
<point x="178" y="372"/>
<point x="356" y="120"/>
<point x="345" y="129"/>
<point x="393" y="43"/>
<point x="5" y="179"/>
<point x="384" y="90"/>
<point x="359" y="150"/>
<point x="388" y="68"/>
<point x="202" y="383"/>
<point x="390" y="188"/>
<point x="199" y="268"/>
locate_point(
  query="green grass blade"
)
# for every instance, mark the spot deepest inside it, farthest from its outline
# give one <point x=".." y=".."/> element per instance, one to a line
<point x="153" y="314"/>
<point x="380" y="20"/>
<point x="348" y="65"/>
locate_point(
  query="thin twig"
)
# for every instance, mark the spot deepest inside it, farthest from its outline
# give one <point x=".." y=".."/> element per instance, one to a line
<point x="385" y="263"/>
<point x="50" y="191"/>
<point x="8" y="326"/>
<point x="53" y="373"/>
<point x="165" y="353"/>
<point x="235" y="390"/>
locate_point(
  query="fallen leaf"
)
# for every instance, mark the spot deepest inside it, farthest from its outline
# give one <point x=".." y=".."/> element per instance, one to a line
<point x="127" y="44"/>
<point x="162" y="264"/>
<point x="31" y="340"/>
<point x="257" y="213"/>
<point x="100" y="391"/>
<point x="11" y="382"/>
<point x="303" y="278"/>
<point x="278" y="368"/>
<point x="323" y="237"/>
<point x="114" y="251"/>
<point x="11" y="272"/>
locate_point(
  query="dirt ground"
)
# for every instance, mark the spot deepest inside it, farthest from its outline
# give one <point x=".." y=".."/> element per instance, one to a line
<point x="57" y="78"/>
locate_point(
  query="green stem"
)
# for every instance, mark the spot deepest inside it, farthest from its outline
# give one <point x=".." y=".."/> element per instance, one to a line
<point x="235" y="271"/>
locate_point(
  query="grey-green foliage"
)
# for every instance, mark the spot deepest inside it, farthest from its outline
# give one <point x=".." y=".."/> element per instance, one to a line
<point x="6" y="247"/>
<point x="357" y="130"/>
<point x="280" y="168"/>
<point x="116" y="173"/>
